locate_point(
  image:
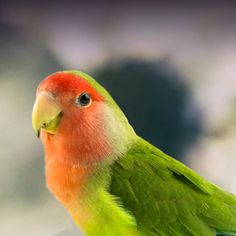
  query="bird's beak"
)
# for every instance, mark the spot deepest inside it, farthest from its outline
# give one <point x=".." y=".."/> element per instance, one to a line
<point x="46" y="113"/>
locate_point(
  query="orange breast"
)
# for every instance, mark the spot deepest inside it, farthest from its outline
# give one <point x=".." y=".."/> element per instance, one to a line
<point x="65" y="182"/>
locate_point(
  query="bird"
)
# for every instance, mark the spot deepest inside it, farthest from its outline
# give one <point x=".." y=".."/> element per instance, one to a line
<point x="112" y="181"/>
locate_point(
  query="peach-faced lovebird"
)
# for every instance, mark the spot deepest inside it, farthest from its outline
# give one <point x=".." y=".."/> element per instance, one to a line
<point x="113" y="182"/>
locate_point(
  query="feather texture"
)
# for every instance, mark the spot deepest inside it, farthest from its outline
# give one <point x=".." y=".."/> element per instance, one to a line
<point x="111" y="181"/>
<point x="168" y="198"/>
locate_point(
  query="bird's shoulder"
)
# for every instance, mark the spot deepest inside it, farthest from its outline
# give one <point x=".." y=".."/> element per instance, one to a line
<point x="159" y="190"/>
<point x="145" y="161"/>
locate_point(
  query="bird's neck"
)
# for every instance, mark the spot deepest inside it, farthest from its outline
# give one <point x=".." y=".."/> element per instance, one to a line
<point x="78" y="167"/>
<point x="84" y="193"/>
<point x="65" y="181"/>
<point x="78" y="152"/>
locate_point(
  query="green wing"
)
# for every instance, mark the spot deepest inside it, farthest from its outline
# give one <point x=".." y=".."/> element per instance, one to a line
<point x="167" y="198"/>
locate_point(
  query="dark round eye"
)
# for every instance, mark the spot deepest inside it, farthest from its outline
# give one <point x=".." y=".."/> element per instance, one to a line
<point x="84" y="99"/>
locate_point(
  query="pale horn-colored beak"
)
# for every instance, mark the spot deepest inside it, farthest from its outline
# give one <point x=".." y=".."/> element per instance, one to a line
<point x="46" y="113"/>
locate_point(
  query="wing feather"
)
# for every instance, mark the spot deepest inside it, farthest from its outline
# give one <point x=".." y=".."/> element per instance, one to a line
<point x="168" y="198"/>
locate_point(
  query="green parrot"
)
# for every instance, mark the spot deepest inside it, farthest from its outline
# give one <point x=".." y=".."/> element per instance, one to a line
<point x="113" y="182"/>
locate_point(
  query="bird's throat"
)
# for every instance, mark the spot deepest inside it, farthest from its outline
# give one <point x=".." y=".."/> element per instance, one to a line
<point x="66" y="182"/>
<point x="77" y="188"/>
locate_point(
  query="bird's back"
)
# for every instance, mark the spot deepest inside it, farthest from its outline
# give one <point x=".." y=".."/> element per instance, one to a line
<point x="168" y="198"/>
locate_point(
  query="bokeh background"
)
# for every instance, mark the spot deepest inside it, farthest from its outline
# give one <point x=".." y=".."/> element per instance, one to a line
<point x="170" y="66"/>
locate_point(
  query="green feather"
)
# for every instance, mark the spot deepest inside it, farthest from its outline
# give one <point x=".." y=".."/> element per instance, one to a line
<point x="145" y="192"/>
<point x="167" y="198"/>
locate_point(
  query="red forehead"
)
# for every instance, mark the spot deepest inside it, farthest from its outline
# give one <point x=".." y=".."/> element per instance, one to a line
<point x="67" y="83"/>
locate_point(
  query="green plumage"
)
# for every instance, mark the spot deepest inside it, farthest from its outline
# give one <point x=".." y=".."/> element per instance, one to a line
<point x="134" y="189"/>
<point x="162" y="196"/>
<point x="167" y="198"/>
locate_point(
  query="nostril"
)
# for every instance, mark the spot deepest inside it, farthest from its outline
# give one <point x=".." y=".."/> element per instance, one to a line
<point x="44" y="125"/>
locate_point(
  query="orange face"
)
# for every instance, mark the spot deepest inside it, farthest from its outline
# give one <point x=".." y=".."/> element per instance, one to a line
<point x="76" y="132"/>
<point x="66" y="88"/>
<point x="70" y="116"/>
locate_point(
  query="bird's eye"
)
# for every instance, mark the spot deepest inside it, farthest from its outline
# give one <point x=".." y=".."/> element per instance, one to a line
<point x="84" y="100"/>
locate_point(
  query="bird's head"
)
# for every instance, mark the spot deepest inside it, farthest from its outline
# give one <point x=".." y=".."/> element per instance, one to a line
<point x="75" y="114"/>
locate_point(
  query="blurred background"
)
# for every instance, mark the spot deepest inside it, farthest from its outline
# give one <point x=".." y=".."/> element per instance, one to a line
<point x="171" y="67"/>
